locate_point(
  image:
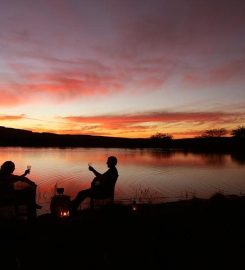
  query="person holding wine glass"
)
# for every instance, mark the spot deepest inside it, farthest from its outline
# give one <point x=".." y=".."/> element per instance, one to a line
<point x="27" y="171"/>
<point x="102" y="185"/>
<point x="27" y="194"/>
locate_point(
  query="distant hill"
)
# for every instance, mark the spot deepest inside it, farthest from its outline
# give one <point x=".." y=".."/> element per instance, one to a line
<point x="19" y="137"/>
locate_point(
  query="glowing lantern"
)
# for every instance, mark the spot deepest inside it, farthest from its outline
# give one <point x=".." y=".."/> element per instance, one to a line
<point x="134" y="207"/>
<point x="65" y="213"/>
<point x="60" y="204"/>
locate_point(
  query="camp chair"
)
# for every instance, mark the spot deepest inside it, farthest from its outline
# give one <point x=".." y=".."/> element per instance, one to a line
<point x="15" y="204"/>
<point x="103" y="198"/>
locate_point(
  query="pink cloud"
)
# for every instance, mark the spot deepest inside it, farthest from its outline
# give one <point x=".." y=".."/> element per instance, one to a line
<point x="173" y="38"/>
<point x="228" y="71"/>
<point x="8" y="98"/>
<point x="233" y="70"/>
<point x="63" y="85"/>
<point x="201" y="26"/>
<point x="148" y="44"/>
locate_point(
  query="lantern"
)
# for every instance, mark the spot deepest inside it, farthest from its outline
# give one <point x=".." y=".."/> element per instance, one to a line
<point x="134" y="207"/>
<point x="60" y="204"/>
<point x="64" y="213"/>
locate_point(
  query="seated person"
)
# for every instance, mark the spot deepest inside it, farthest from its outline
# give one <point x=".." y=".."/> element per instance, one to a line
<point x="7" y="189"/>
<point x="102" y="185"/>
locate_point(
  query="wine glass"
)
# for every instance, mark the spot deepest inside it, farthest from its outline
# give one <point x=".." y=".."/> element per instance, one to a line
<point x="28" y="168"/>
<point x="89" y="165"/>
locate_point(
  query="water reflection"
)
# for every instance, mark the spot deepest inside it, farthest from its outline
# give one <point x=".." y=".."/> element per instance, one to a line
<point x="149" y="174"/>
<point x="160" y="154"/>
<point x="238" y="157"/>
<point x="214" y="159"/>
<point x="176" y="158"/>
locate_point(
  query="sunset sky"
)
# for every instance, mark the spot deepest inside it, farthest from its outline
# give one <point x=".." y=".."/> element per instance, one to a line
<point x="124" y="68"/>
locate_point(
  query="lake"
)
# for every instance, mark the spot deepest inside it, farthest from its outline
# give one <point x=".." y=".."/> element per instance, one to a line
<point x="147" y="175"/>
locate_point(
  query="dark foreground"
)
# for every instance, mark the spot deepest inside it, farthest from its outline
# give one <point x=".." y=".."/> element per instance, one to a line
<point x="195" y="234"/>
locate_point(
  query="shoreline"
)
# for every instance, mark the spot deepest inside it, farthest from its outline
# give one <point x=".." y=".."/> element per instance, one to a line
<point x="170" y="236"/>
<point x="10" y="137"/>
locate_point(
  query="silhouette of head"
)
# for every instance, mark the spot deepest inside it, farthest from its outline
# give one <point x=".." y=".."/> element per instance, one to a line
<point x="111" y="161"/>
<point x="7" y="167"/>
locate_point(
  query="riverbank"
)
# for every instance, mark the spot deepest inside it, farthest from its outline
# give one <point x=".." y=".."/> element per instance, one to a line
<point x="24" y="138"/>
<point x="194" y="234"/>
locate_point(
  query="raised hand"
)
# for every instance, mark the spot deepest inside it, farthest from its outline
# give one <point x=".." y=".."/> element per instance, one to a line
<point x="90" y="168"/>
<point x="27" y="171"/>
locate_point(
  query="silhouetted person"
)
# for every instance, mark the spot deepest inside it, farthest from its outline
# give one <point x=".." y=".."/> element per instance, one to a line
<point x="27" y="194"/>
<point x="102" y="185"/>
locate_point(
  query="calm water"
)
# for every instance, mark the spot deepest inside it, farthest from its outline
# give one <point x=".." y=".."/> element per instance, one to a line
<point x="147" y="175"/>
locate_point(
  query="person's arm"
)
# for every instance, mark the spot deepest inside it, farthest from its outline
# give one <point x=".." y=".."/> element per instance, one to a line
<point x="94" y="171"/>
<point x="25" y="173"/>
<point x="27" y="181"/>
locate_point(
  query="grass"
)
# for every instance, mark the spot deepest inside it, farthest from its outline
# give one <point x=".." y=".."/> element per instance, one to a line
<point x="193" y="234"/>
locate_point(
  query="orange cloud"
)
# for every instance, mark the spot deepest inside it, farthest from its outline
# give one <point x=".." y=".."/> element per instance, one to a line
<point x="12" y="117"/>
<point x="137" y="125"/>
<point x="151" y="117"/>
<point x="178" y="124"/>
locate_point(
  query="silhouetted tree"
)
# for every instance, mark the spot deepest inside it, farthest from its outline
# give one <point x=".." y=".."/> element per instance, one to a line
<point x="161" y="137"/>
<point x="212" y="133"/>
<point x="238" y="132"/>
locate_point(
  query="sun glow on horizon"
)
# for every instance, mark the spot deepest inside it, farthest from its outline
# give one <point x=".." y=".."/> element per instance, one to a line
<point x="179" y="125"/>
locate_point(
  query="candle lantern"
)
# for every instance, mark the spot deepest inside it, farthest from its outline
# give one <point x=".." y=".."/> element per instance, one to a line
<point x="60" y="204"/>
<point x="134" y="207"/>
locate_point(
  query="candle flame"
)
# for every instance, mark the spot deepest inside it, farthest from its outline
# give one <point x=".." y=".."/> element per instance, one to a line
<point x="65" y="213"/>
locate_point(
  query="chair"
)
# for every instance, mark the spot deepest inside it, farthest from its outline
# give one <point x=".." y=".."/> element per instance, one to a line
<point x="15" y="205"/>
<point x="103" y="199"/>
<point x="100" y="202"/>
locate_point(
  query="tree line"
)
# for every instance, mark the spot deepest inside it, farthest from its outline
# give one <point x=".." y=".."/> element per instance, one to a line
<point x="239" y="132"/>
